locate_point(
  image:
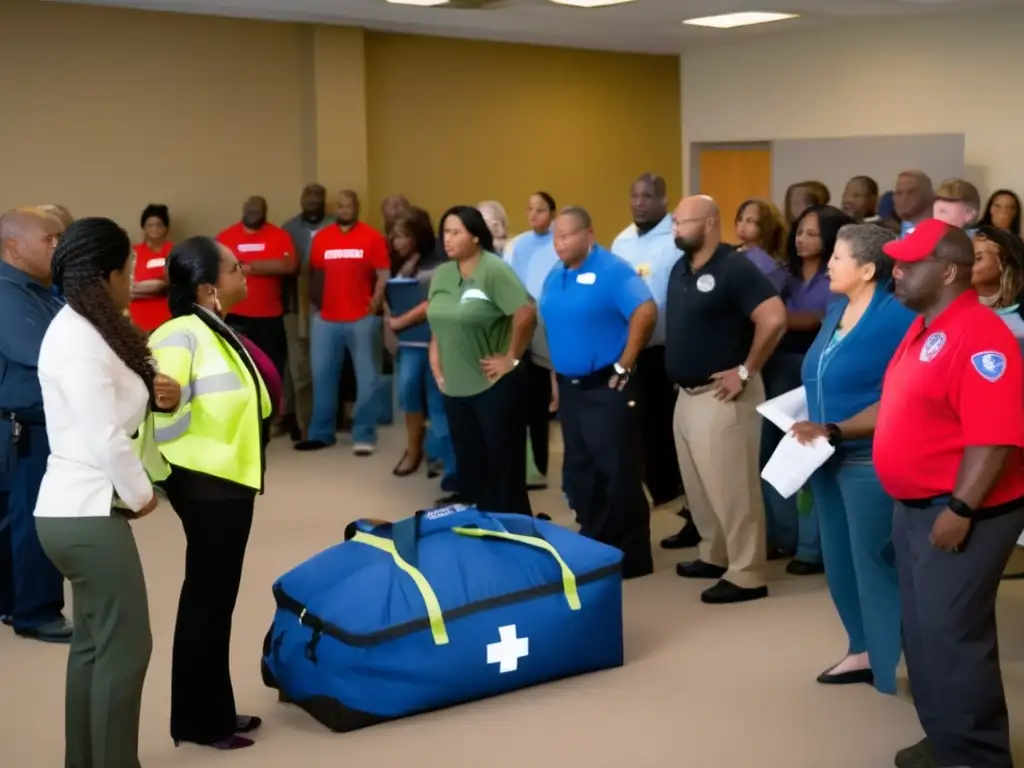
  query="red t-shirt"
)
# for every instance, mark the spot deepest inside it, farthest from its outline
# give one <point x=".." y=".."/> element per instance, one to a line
<point x="264" y="291"/>
<point x="956" y="383"/>
<point x="151" y="312"/>
<point x="350" y="261"/>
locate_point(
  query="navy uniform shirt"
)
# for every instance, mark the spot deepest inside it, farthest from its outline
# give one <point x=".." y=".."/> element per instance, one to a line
<point x="26" y="309"/>
<point x="586" y="312"/>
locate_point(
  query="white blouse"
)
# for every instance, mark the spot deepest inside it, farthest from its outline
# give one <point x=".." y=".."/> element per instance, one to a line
<point x="93" y="404"/>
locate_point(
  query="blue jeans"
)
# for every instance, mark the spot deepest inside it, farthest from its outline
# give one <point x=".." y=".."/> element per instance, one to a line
<point x="328" y="342"/>
<point x="855" y="515"/>
<point x="416" y="389"/>
<point x="786" y="528"/>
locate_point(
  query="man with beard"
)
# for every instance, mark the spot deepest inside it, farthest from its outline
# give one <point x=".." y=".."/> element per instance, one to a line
<point x="724" y="320"/>
<point x="648" y="245"/>
<point x="948" y="434"/>
<point x="267" y="256"/>
<point x="912" y="199"/>
<point x="295" y="298"/>
<point x="354" y="260"/>
<point x="31" y="588"/>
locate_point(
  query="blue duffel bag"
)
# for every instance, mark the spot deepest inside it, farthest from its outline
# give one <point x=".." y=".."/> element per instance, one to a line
<point x="448" y="606"/>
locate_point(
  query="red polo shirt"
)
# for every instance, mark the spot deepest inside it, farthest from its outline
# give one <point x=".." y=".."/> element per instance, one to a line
<point x="350" y="261"/>
<point x="151" y="312"/>
<point x="264" y="291"/>
<point x="956" y="383"/>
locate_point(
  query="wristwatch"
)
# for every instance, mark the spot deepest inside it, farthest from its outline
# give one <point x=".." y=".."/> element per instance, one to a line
<point x="835" y="435"/>
<point x="960" y="508"/>
<point x="744" y="374"/>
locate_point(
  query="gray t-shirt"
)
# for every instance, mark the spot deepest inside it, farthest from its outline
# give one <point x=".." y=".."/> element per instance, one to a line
<point x="302" y="233"/>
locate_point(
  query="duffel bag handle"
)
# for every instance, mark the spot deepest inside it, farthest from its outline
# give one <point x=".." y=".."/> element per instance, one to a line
<point x="569" y="586"/>
<point x="406" y="533"/>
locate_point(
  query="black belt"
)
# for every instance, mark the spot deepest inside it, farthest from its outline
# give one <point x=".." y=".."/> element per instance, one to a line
<point x="26" y="416"/>
<point x="985" y="513"/>
<point x="932" y="501"/>
<point x="598" y="378"/>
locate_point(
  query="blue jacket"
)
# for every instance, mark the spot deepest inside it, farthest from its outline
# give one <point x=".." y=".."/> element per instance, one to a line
<point x="846" y="379"/>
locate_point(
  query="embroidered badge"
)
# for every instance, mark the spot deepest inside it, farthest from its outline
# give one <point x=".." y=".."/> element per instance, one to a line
<point x="706" y="283"/>
<point x="990" y="365"/>
<point x="932" y="346"/>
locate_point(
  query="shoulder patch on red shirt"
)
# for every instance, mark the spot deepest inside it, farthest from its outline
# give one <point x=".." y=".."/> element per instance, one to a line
<point x="990" y="365"/>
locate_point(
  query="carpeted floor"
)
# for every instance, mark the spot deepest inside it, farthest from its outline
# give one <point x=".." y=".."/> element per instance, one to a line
<point x="729" y="686"/>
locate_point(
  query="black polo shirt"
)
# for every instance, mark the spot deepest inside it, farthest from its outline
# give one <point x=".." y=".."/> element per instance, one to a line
<point x="707" y="315"/>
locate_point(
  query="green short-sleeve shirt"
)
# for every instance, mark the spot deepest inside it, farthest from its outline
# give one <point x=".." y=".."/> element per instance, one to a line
<point x="471" y="319"/>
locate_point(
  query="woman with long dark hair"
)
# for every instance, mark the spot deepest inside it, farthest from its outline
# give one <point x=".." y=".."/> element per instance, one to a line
<point x="1003" y="211"/>
<point x="98" y="379"/>
<point x="214" y="442"/>
<point x="482" y="322"/>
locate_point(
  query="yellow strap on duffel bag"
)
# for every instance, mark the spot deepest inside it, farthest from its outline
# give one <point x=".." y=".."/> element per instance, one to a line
<point x="572" y="595"/>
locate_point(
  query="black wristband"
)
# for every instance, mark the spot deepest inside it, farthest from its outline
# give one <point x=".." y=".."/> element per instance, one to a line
<point x="960" y="508"/>
<point x="835" y="435"/>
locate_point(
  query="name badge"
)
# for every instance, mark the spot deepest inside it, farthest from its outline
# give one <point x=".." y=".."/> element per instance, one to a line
<point x="587" y="278"/>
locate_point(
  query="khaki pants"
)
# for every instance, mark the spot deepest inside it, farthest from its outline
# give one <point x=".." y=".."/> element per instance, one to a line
<point x="717" y="446"/>
<point x="298" y="384"/>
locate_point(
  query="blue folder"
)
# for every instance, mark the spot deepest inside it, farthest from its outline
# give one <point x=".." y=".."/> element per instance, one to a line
<point x="404" y="294"/>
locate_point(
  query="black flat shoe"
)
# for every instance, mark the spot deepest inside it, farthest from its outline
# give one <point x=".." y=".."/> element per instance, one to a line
<point x="726" y="592"/>
<point x="686" y="538"/>
<point x="247" y="723"/>
<point x="853" y="677"/>
<point x="804" y="568"/>
<point x="231" y="742"/>
<point x="404" y="468"/>
<point x="310" y="445"/>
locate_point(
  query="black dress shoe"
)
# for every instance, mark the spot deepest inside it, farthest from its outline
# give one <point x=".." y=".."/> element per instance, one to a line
<point x="310" y="445"/>
<point x="686" y="538"/>
<point x="726" y="592"/>
<point x="698" y="569"/>
<point x="56" y="631"/>
<point x="853" y="677"/>
<point x="921" y="755"/>
<point x="804" y="568"/>
<point x="774" y="553"/>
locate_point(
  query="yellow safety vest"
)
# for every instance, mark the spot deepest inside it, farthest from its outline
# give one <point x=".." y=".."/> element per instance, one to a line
<point x="218" y="426"/>
<point x="144" y="443"/>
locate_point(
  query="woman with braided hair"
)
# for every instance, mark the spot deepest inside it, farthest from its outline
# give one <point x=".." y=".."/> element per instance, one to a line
<point x="98" y="382"/>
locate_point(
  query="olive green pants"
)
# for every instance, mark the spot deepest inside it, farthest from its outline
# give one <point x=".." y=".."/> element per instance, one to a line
<point x="111" y="645"/>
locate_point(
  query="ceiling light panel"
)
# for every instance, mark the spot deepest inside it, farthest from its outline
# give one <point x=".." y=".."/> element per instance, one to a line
<point x="742" y="19"/>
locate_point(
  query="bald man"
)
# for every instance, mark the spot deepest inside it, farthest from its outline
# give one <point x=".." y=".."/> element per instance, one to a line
<point x="298" y="382"/>
<point x="724" y="321"/>
<point x="31" y="588"/>
<point x="912" y="199"/>
<point x="63" y="214"/>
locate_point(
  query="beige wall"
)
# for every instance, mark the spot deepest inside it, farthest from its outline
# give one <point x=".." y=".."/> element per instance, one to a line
<point x="107" y="110"/>
<point x="947" y="75"/>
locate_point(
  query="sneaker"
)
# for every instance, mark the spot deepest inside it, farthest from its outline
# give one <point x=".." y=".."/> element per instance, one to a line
<point x="363" y="449"/>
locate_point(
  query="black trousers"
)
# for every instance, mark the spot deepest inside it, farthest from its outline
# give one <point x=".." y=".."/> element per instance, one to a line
<point x="656" y="399"/>
<point x="538" y="417"/>
<point x="949" y="634"/>
<point x="217" y="531"/>
<point x="602" y="471"/>
<point x="267" y="333"/>
<point x="488" y="432"/>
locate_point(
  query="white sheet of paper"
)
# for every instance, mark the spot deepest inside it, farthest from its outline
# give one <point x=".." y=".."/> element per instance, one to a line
<point x="792" y="464"/>
<point x="786" y="409"/>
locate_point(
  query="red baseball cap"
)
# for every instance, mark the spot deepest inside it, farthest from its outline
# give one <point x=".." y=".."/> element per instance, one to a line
<point x="919" y="244"/>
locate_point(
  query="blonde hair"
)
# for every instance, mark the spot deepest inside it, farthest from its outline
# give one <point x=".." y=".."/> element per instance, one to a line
<point x="497" y="221"/>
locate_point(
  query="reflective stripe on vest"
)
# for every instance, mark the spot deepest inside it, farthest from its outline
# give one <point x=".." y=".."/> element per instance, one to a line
<point x="434" y="614"/>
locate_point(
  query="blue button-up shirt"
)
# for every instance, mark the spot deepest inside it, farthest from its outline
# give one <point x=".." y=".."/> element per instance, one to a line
<point x="26" y="310"/>
<point x="586" y="312"/>
<point x="652" y="255"/>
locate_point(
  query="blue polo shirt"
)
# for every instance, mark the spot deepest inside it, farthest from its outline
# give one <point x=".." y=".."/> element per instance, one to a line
<point x="521" y="250"/>
<point x="586" y="312"/>
<point x="652" y="255"/>
<point x="26" y="310"/>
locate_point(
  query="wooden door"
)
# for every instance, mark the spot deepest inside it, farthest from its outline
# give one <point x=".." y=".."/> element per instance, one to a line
<point x="732" y="176"/>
